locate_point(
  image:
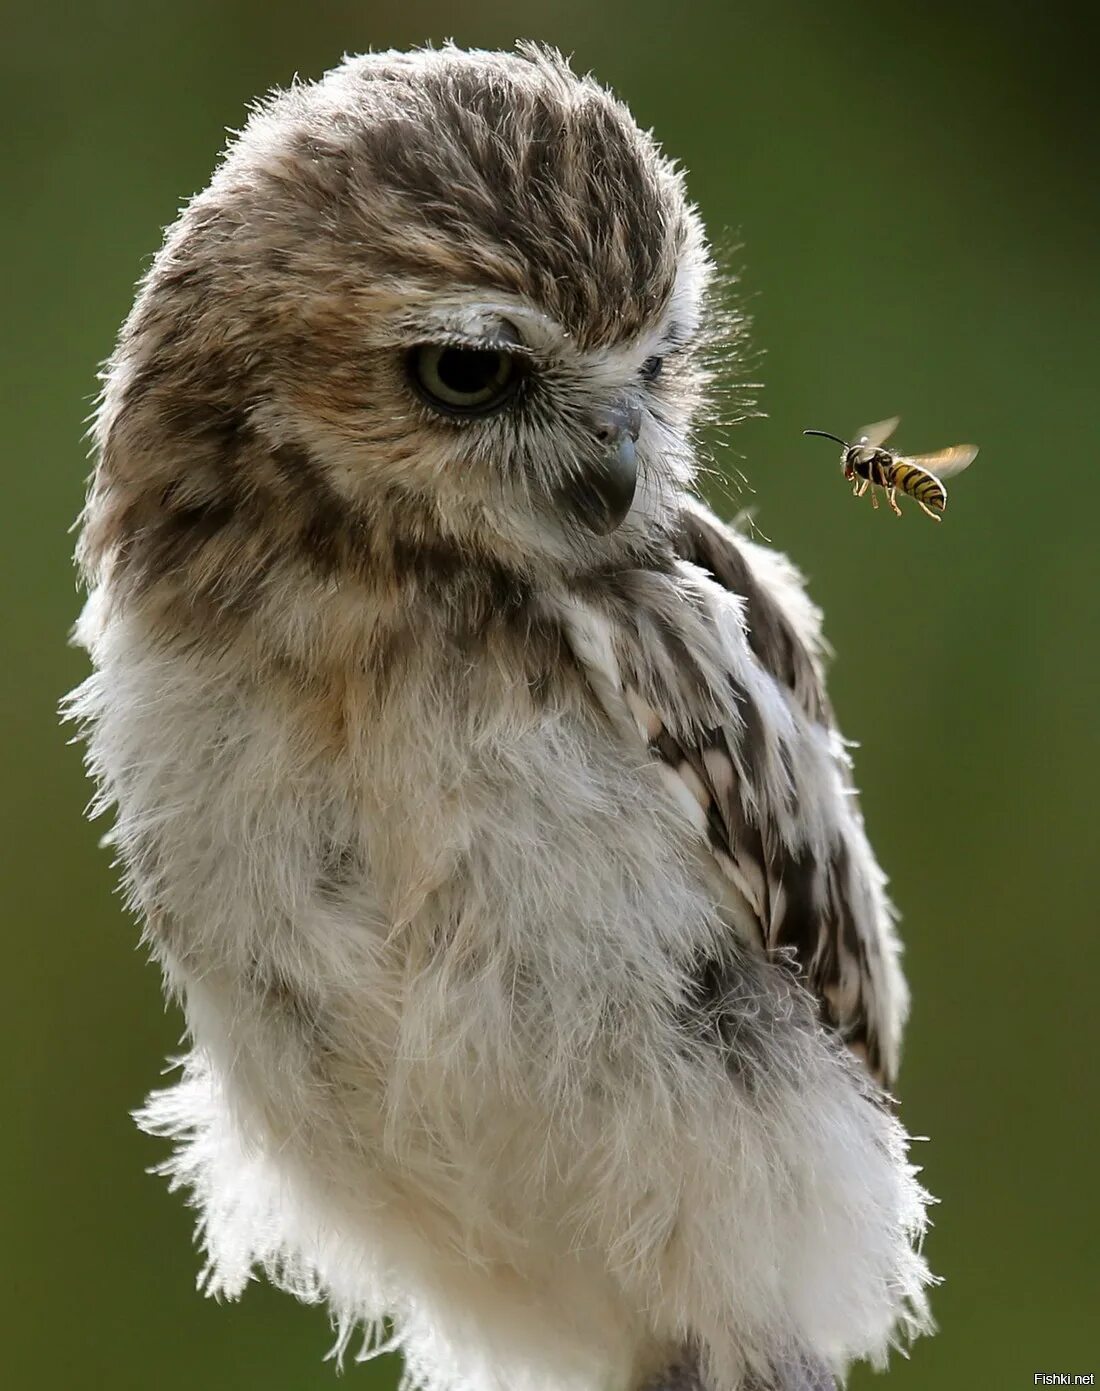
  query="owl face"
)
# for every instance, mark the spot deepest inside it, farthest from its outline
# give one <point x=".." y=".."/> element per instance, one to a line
<point x="461" y="287"/>
<point x="485" y="405"/>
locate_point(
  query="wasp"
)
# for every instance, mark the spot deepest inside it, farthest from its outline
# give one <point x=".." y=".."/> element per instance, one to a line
<point x="867" y="465"/>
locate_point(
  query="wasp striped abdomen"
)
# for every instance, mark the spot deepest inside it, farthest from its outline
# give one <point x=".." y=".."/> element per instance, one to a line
<point x="919" y="484"/>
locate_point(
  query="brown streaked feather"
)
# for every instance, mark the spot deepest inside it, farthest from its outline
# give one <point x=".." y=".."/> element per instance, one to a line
<point x="808" y="905"/>
<point x="704" y="541"/>
<point x="801" y="904"/>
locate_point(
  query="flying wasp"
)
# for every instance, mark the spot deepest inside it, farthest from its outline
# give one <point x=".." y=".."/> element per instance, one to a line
<point x="867" y="465"/>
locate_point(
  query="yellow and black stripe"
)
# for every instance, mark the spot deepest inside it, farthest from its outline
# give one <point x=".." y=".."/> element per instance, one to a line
<point x="918" y="483"/>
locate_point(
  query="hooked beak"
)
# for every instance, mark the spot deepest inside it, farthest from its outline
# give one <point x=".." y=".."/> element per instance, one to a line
<point x="600" y="494"/>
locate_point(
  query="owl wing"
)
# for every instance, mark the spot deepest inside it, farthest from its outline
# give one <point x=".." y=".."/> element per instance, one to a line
<point x="716" y="667"/>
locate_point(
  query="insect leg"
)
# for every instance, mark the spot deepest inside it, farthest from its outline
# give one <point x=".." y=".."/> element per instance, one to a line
<point x="892" y="499"/>
<point x="934" y="515"/>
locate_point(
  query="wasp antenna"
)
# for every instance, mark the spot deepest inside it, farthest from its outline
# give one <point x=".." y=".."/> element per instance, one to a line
<point x="826" y="436"/>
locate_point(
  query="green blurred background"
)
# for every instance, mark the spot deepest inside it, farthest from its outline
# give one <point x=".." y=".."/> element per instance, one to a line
<point x="914" y="193"/>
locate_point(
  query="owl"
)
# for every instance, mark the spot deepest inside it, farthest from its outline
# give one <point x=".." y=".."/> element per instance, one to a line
<point x="476" y="786"/>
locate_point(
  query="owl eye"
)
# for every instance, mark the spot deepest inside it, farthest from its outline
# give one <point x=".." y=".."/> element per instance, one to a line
<point x="463" y="381"/>
<point x="651" y="368"/>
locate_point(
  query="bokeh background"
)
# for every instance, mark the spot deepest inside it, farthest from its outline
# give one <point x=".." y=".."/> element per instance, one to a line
<point x="914" y="193"/>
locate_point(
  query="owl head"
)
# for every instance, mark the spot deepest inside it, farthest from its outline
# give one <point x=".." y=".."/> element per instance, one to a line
<point x="439" y="298"/>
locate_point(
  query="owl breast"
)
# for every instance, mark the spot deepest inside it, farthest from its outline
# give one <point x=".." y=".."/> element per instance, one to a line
<point x="466" y="904"/>
<point x="439" y="950"/>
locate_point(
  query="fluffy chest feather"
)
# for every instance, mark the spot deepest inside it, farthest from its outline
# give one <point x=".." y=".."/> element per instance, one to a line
<point x="343" y="876"/>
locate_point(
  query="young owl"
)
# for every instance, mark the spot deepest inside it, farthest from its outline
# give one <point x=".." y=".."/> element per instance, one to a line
<point x="476" y="786"/>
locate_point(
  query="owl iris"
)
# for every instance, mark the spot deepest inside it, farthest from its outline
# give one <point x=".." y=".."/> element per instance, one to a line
<point x="463" y="381"/>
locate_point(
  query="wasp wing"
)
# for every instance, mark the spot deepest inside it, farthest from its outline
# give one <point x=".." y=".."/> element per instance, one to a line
<point x="944" y="462"/>
<point x="878" y="433"/>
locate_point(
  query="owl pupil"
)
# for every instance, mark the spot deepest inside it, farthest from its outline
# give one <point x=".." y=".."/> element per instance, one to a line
<point x="463" y="381"/>
<point x="466" y="371"/>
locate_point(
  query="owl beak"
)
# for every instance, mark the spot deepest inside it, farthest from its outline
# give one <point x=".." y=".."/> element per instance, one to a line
<point x="602" y="491"/>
